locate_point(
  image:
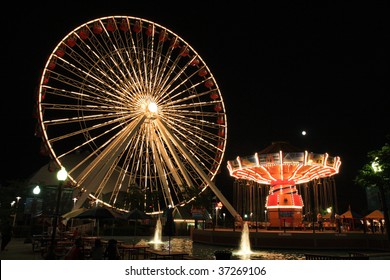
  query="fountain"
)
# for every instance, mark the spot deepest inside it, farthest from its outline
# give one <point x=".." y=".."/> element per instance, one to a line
<point x="245" y="245"/>
<point x="157" y="233"/>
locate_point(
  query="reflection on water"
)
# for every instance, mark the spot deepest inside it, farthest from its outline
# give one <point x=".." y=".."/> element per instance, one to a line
<point x="206" y="252"/>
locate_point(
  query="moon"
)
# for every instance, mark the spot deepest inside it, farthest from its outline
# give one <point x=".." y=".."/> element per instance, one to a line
<point x="303" y="132"/>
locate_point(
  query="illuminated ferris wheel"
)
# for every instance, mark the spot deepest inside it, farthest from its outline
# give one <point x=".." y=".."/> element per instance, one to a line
<point x="141" y="105"/>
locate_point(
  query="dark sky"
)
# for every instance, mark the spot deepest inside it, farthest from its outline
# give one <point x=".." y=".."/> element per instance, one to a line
<point x="281" y="69"/>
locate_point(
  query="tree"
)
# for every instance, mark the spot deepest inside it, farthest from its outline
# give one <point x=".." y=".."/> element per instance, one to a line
<point x="376" y="174"/>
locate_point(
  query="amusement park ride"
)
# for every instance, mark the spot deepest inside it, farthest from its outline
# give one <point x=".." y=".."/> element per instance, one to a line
<point x="146" y="109"/>
<point x="142" y="104"/>
<point x="283" y="166"/>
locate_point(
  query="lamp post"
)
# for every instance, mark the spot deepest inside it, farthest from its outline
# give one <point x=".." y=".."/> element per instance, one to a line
<point x="74" y="201"/>
<point x="61" y="177"/>
<point x="36" y="191"/>
<point x="16" y="210"/>
<point x="217" y="208"/>
<point x="329" y="211"/>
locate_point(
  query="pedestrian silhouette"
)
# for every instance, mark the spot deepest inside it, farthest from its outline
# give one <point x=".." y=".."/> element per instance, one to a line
<point x="97" y="251"/>
<point x="76" y="252"/>
<point x="112" y="251"/>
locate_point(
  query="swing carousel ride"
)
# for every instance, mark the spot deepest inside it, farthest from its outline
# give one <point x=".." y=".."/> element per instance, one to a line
<point x="283" y="167"/>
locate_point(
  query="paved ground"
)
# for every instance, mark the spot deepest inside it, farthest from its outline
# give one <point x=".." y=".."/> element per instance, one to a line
<point x="18" y="250"/>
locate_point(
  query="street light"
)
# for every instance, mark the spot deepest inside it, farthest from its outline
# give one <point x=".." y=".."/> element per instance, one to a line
<point x="16" y="209"/>
<point x="329" y="211"/>
<point x="74" y="201"/>
<point x="217" y="207"/>
<point x="37" y="190"/>
<point x="61" y="177"/>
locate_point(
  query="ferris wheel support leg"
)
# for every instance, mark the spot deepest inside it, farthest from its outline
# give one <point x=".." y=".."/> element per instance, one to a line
<point x="223" y="199"/>
<point x="200" y="171"/>
<point x="96" y="171"/>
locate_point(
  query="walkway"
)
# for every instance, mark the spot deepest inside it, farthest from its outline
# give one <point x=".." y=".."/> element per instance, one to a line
<point x="18" y="250"/>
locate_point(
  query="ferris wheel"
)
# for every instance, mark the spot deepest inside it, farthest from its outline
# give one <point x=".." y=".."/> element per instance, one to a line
<point x="141" y="106"/>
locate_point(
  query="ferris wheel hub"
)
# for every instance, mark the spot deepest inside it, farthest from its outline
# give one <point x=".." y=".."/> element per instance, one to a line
<point x="152" y="107"/>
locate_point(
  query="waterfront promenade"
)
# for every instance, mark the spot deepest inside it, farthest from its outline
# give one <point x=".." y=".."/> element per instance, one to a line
<point x="18" y="250"/>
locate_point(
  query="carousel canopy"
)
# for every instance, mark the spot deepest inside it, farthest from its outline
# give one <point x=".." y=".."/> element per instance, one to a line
<point x="283" y="164"/>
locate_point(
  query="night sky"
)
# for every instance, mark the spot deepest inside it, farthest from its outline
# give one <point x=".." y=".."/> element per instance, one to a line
<point x="281" y="69"/>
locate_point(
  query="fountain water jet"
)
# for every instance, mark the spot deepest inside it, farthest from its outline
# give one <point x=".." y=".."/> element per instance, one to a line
<point x="245" y="245"/>
<point x="157" y="233"/>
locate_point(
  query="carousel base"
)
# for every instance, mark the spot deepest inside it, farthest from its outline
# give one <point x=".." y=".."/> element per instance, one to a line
<point x="276" y="239"/>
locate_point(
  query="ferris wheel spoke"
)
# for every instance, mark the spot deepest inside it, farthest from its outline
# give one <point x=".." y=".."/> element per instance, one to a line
<point x="159" y="58"/>
<point x="174" y="168"/>
<point x="200" y="171"/>
<point x="174" y="99"/>
<point x="168" y="141"/>
<point x="108" y="124"/>
<point x="95" y="82"/>
<point x="117" y="179"/>
<point x="158" y="156"/>
<point x="171" y="163"/>
<point x="93" y="112"/>
<point x="134" y="84"/>
<point x="114" y="62"/>
<point x="188" y="120"/>
<point x="167" y="81"/>
<point x="201" y="147"/>
<point x="174" y="89"/>
<point x="164" y="69"/>
<point x="143" y="60"/>
<point x="195" y="134"/>
<point x="150" y="57"/>
<point x="196" y="108"/>
<point x="131" y="51"/>
<point x="100" y="165"/>
<point x="107" y="83"/>
<point x="99" y="72"/>
<point x="95" y="153"/>
<point x="138" y="48"/>
<point x="88" y="96"/>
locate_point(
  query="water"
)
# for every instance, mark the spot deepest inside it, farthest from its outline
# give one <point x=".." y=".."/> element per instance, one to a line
<point x="242" y="251"/>
<point x="206" y="252"/>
